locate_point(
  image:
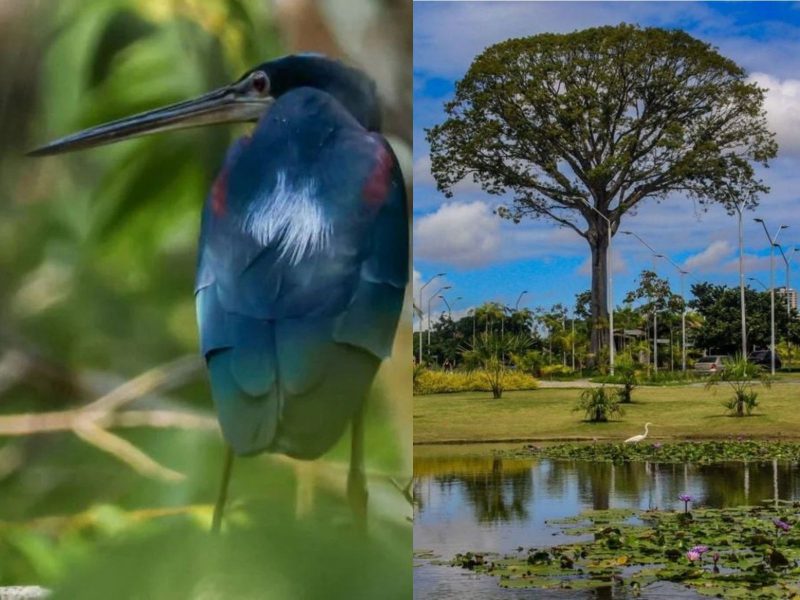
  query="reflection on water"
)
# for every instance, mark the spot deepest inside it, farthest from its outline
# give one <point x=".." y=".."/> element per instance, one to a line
<point x="494" y="504"/>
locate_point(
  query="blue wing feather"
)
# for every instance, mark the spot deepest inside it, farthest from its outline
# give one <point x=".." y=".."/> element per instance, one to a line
<point x="293" y="339"/>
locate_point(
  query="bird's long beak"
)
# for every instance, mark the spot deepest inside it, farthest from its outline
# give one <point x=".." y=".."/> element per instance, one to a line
<point x="232" y="103"/>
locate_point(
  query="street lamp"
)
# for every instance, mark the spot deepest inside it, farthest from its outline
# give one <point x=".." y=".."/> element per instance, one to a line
<point x="759" y="282"/>
<point x="453" y="303"/>
<point x="787" y="261"/>
<point x="433" y="297"/>
<point x="449" y="308"/>
<point x="773" y="241"/>
<point x="682" y="272"/>
<point x="421" y="316"/>
<point x="516" y="306"/>
<point x="742" y="306"/>
<point x="609" y="284"/>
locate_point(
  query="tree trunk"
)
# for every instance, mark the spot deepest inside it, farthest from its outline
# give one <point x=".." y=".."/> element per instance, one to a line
<point x="598" y="242"/>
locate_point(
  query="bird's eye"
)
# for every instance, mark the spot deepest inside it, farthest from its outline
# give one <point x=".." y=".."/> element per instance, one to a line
<point x="260" y="82"/>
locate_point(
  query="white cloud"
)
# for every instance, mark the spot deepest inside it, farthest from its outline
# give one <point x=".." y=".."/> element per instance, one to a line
<point x="752" y="264"/>
<point x="710" y="258"/>
<point x="422" y="171"/>
<point x="462" y="234"/>
<point x="782" y="103"/>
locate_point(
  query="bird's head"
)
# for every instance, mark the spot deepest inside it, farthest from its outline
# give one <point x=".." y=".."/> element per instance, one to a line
<point x="246" y="99"/>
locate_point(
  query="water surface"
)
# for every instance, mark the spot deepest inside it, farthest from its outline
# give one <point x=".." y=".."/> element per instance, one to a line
<point x="496" y="505"/>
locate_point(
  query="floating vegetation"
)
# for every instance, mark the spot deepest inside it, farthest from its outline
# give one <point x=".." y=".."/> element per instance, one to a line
<point x="744" y="552"/>
<point x="673" y="452"/>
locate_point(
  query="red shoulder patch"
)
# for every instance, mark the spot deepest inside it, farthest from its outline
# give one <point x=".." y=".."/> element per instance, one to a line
<point x="376" y="188"/>
<point x="219" y="193"/>
<point x="219" y="190"/>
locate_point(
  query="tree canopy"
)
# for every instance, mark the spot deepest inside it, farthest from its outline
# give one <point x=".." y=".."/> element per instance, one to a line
<point x="581" y="127"/>
<point x="721" y="330"/>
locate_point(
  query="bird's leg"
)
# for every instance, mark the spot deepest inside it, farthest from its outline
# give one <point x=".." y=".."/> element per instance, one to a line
<point x="356" y="477"/>
<point x="219" y="507"/>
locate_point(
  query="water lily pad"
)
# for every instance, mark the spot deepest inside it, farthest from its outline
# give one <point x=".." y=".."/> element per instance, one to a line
<point x="727" y="553"/>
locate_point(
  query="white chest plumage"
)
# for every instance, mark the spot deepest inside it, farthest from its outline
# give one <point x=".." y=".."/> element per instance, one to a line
<point x="291" y="217"/>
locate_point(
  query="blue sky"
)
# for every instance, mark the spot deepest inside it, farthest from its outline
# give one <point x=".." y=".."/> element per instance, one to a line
<point x="486" y="258"/>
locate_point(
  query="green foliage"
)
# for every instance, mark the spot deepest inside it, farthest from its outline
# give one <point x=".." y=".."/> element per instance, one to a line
<point x="598" y="405"/>
<point x="431" y="381"/>
<point x="538" y="119"/>
<point x="668" y="453"/>
<point x="531" y="362"/>
<point x="181" y="560"/>
<point x="657" y="293"/>
<point x="720" y="329"/>
<point x="490" y="353"/>
<point x="740" y="374"/>
<point x="625" y="370"/>
<point x="485" y="121"/>
<point x="643" y="376"/>
<point x="556" y="371"/>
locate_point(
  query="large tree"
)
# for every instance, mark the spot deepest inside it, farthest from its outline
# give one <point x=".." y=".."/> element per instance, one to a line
<point x="582" y="127"/>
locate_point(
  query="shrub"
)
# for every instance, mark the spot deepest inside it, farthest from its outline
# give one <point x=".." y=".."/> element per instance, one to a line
<point x="419" y="369"/>
<point x="598" y="405"/>
<point x="530" y="362"/>
<point x="740" y="374"/>
<point x="625" y="369"/>
<point x="490" y="352"/>
<point x="440" y="382"/>
<point x="551" y="371"/>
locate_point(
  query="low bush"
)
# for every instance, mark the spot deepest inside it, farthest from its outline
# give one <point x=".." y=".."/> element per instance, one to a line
<point x="663" y="377"/>
<point x="740" y="374"/>
<point x="429" y="381"/>
<point x="556" y="371"/>
<point x="629" y="378"/>
<point x="598" y="405"/>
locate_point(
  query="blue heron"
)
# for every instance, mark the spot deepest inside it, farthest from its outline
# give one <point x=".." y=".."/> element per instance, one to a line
<point x="303" y="256"/>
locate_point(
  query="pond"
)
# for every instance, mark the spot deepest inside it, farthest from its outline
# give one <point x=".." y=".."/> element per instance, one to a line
<point x="494" y="504"/>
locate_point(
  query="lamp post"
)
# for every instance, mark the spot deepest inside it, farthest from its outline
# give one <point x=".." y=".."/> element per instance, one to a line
<point x="453" y="303"/>
<point x="610" y="285"/>
<point x="741" y="280"/>
<point x="682" y="273"/>
<point x="773" y="241"/>
<point x="449" y="309"/>
<point x="421" y="316"/>
<point x="516" y="306"/>
<point x="759" y="282"/>
<point x="433" y="297"/>
<point x="787" y="261"/>
<point x="573" y="342"/>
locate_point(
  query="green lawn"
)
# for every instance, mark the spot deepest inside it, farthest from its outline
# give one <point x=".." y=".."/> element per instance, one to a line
<point x="546" y="414"/>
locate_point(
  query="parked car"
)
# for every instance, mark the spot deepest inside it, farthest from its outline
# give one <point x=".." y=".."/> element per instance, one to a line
<point x="763" y="358"/>
<point x="713" y="363"/>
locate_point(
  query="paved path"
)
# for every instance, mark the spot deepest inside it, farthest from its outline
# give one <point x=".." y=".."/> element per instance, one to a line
<point x="575" y="383"/>
<point x="586" y="383"/>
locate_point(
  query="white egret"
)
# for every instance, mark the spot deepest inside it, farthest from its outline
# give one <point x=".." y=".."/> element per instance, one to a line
<point x="638" y="438"/>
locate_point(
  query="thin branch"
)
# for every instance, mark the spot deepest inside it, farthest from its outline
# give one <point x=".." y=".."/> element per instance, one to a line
<point x="89" y="422"/>
<point x="165" y="376"/>
<point x="124" y="451"/>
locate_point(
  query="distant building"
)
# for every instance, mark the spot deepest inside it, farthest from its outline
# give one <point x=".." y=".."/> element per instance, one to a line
<point x="781" y="291"/>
